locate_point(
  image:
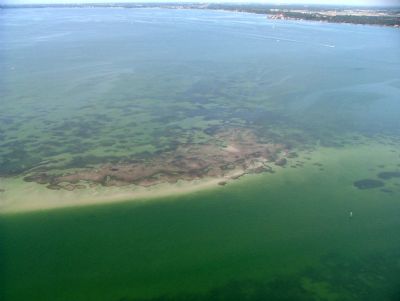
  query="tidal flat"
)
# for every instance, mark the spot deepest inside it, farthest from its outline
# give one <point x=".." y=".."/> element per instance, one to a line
<point x="159" y="154"/>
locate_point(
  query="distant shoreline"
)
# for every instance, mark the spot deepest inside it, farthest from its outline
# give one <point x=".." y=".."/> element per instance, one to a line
<point x="388" y="17"/>
<point x="376" y="16"/>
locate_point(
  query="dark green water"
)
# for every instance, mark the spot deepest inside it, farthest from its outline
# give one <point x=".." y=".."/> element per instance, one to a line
<point x="88" y="86"/>
<point x="285" y="237"/>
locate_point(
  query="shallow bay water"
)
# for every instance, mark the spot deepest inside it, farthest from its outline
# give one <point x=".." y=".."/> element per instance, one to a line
<point x="82" y="87"/>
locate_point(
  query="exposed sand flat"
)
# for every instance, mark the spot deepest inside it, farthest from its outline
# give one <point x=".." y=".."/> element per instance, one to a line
<point x="187" y="162"/>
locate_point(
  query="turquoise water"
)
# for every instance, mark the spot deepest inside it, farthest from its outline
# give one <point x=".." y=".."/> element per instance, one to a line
<point x="110" y="82"/>
<point x="83" y="87"/>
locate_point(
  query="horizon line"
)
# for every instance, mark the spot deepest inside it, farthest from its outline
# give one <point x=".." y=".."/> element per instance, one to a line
<point x="197" y="3"/>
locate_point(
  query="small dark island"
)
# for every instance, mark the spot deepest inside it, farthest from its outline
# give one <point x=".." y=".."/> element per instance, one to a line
<point x="368" y="184"/>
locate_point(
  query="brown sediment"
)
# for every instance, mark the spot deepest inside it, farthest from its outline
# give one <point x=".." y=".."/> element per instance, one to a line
<point x="231" y="154"/>
<point x="40" y="178"/>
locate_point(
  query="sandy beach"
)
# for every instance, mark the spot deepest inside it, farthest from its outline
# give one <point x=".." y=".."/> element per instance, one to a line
<point x="19" y="196"/>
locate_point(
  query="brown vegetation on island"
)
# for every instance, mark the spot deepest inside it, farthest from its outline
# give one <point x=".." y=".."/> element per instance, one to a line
<point x="230" y="154"/>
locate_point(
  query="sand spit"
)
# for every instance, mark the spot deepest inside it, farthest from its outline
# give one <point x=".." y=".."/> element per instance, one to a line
<point x="20" y="196"/>
<point x="231" y="154"/>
